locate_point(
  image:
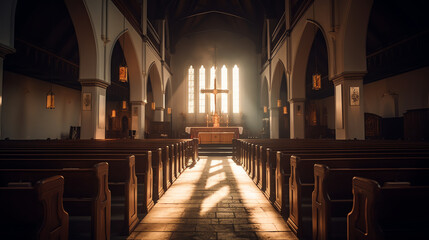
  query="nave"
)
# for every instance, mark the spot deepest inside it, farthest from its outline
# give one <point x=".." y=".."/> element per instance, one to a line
<point x="215" y="199"/>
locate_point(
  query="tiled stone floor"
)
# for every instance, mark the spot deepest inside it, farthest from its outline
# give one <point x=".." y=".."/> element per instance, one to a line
<point x="215" y="199"/>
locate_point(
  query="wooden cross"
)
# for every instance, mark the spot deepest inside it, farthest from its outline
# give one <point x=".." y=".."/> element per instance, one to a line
<point x="215" y="91"/>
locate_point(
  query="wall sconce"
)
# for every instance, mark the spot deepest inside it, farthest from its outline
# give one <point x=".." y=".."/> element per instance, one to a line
<point x="279" y="103"/>
<point x="284" y="110"/>
<point x="153" y="106"/>
<point x="169" y="110"/>
<point x="265" y="109"/>
<point x="317" y="81"/>
<point x="113" y="113"/>
<point x="124" y="105"/>
<point x="50" y="100"/>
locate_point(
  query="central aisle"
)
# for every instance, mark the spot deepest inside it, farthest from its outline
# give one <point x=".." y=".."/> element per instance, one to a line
<point x="215" y="199"/>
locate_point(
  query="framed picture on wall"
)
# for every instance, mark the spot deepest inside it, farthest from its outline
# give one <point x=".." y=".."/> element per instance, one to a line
<point x="354" y="96"/>
<point x="86" y="101"/>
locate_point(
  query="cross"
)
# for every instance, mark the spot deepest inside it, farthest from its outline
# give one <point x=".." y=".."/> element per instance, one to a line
<point x="215" y="91"/>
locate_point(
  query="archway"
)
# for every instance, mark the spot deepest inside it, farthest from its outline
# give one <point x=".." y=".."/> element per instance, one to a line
<point x="265" y="131"/>
<point x="320" y="103"/>
<point x="284" y="108"/>
<point x="118" y="108"/>
<point x="46" y="60"/>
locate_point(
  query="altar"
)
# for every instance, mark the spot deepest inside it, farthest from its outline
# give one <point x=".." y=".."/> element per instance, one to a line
<point x="214" y="135"/>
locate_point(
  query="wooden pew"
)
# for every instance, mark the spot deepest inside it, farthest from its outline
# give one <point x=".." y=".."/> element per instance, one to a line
<point x="388" y="211"/>
<point x="34" y="211"/>
<point x="302" y="181"/>
<point x="332" y="195"/>
<point x="122" y="177"/>
<point x="86" y="193"/>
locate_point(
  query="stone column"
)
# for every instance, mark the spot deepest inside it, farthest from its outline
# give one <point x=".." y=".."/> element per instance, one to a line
<point x="138" y="118"/>
<point x="297" y="118"/>
<point x="4" y="50"/>
<point x="349" y="112"/>
<point x="93" y="118"/>
<point x="274" y="122"/>
<point x="159" y="114"/>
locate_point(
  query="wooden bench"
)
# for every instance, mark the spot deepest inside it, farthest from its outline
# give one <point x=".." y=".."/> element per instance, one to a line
<point x="392" y="211"/>
<point x="332" y="195"/>
<point x="34" y="211"/>
<point x="122" y="178"/>
<point x="301" y="181"/>
<point x="86" y="193"/>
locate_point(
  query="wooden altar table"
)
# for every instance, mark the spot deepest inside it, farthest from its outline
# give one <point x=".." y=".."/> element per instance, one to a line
<point x="212" y="135"/>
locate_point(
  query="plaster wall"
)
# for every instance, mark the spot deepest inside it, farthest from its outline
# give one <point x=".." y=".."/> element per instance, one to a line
<point x="197" y="50"/>
<point x="411" y="88"/>
<point x="24" y="109"/>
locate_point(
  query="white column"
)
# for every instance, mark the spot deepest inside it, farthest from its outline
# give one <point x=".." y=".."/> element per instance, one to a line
<point x="349" y="112"/>
<point x="93" y="122"/>
<point x="159" y="111"/>
<point x="159" y="114"/>
<point x="4" y="50"/>
<point x="297" y="123"/>
<point x="274" y="122"/>
<point x="138" y="118"/>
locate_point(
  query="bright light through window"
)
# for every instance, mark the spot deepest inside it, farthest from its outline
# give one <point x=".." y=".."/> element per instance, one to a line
<point x="202" y="103"/>
<point x="212" y="79"/>
<point x="235" y="90"/>
<point x="191" y="99"/>
<point x="224" y="86"/>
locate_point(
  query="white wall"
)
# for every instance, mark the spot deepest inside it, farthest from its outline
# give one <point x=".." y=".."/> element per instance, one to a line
<point x="25" y="115"/>
<point x="411" y="88"/>
<point x="197" y="50"/>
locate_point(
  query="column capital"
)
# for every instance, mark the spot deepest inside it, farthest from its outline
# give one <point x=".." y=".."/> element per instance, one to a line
<point x="94" y="82"/>
<point x="345" y="76"/>
<point x="137" y="103"/>
<point x="5" y="50"/>
<point x="297" y="100"/>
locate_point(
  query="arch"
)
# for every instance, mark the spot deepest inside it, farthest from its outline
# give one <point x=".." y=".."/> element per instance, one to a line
<point x="85" y="33"/>
<point x="264" y="92"/>
<point x="155" y="80"/>
<point x="297" y="80"/>
<point x="168" y="93"/>
<point x="353" y="36"/>
<point x="277" y="77"/>
<point x="132" y="59"/>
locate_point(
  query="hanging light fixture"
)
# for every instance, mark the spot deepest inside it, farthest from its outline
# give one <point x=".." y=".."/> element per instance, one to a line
<point x="153" y="106"/>
<point x="279" y="103"/>
<point x="50" y="99"/>
<point x="123" y="68"/>
<point x="265" y="109"/>
<point x="284" y="110"/>
<point x="113" y="113"/>
<point x="169" y="110"/>
<point x="317" y="78"/>
<point x="124" y="105"/>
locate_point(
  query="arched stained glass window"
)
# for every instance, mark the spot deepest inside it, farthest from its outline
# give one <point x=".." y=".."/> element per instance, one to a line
<point x="224" y="77"/>
<point x="235" y="90"/>
<point x="212" y="79"/>
<point x="191" y="94"/>
<point x="202" y="85"/>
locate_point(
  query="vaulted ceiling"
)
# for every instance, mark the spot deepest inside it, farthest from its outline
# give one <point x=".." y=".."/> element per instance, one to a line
<point x="186" y="17"/>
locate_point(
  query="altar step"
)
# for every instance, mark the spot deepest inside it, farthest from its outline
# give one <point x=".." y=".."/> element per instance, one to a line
<point x="215" y="150"/>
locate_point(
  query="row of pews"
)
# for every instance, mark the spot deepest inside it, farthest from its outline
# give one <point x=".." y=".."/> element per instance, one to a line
<point x="353" y="189"/>
<point x="85" y="189"/>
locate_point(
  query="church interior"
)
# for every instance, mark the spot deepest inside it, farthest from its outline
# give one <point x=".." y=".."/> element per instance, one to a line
<point x="199" y="119"/>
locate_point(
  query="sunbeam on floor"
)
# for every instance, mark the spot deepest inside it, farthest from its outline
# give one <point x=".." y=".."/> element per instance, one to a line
<point x="215" y="199"/>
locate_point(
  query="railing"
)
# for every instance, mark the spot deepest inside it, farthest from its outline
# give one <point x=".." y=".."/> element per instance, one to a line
<point x="153" y="37"/>
<point x="399" y="57"/>
<point x="278" y="34"/>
